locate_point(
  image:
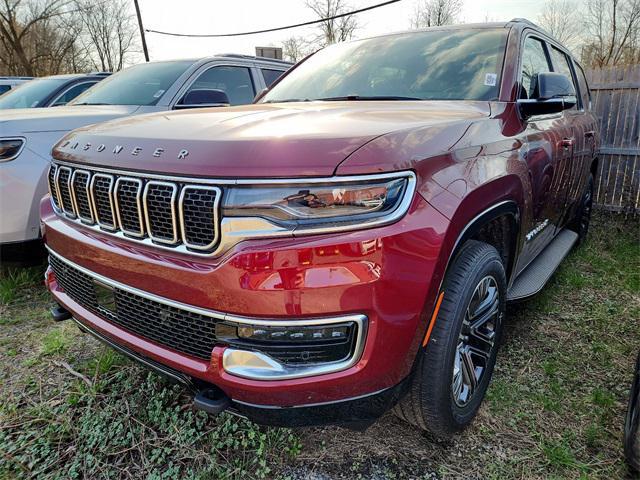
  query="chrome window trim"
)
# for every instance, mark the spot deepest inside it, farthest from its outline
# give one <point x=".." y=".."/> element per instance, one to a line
<point x="288" y="371"/>
<point x="105" y="226"/>
<point x="90" y="220"/>
<point x="234" y="230"/>
<point x="141" y="218"/>
<point x="174" y="222"/>
<point x="69" y="213"/>
<point x="216" y="216"/>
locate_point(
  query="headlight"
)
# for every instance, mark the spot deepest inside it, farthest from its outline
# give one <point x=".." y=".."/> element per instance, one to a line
<point x="10" y="148"/>
<point x="332" y="204"/>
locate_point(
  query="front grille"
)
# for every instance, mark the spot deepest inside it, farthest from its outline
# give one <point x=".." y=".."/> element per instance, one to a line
<point x="181" y="330"/>
<point x="170" y="214"/>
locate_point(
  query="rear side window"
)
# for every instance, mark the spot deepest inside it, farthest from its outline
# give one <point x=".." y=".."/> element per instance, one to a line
<point x="234" y="81"/>
<point x="534" y="61"/>
<point x="561" y="65"/>
<point x="585" y="93"/>
<point x="270" y="76"/>
<point x="4" y="88"/>
<point x="72" y="93"/>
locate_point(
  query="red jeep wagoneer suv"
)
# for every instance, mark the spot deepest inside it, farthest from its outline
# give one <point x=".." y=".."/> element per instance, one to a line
<point x="346" y="244"/>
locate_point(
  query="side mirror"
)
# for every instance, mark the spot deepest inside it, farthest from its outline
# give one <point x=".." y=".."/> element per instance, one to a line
<point x="260" y="94"/>
<point x="204" y="97"/>
<point x="552" y="93"/>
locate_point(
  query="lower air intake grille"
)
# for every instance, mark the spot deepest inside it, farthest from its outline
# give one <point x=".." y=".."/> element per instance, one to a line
<point x="186" y="332"/>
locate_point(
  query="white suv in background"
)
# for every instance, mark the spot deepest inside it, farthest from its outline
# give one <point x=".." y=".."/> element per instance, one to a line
<point x="27" y="135"/>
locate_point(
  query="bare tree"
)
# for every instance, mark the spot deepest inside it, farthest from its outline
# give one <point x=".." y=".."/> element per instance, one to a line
<point x="560" y="19"/>
<point x="432" y="13"/>
<point x="31" y="37"/>
<point x="109" y="32"/>
<point x="295" y="49"/>
<point x="333" y="30"/>
<point x="613" y="29"/>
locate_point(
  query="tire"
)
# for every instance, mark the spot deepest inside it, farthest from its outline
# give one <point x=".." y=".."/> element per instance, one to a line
<point x="632" y="424"/>
<point x="580" y="223"/>
<point x="435" y="401"/>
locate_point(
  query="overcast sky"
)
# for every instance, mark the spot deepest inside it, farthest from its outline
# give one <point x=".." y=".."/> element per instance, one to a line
<point x="226" y="16"/>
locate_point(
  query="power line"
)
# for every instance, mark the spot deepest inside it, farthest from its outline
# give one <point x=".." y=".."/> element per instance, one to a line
<point x="312" y="22"/>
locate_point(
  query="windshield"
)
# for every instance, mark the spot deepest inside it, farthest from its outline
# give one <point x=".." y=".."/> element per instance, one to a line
<point x="142" y="84"/>
<point x="431" y="65"/>
<point x="32" y="93"/>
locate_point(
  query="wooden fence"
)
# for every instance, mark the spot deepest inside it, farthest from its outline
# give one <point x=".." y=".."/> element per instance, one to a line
<point x="616" y="102"/>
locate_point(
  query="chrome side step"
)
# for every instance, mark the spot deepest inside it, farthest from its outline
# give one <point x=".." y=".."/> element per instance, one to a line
<point x="538" y="273"/>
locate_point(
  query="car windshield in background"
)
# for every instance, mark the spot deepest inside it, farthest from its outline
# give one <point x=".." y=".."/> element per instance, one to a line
<point x="142" y="84"/>
<point x="31" y="94"/>
<point x="435" y="65"/>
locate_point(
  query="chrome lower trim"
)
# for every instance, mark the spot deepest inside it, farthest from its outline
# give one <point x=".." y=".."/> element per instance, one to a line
<point x="273" y="370"/>
<point x="255" y="365"/>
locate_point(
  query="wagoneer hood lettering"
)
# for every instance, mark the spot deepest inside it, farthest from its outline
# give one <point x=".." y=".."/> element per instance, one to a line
<point x="297" y="139"/>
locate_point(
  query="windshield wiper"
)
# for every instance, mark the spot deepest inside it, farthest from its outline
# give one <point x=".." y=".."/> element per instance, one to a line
<point x="89" y="103"/>
<point x="364" y="98"/>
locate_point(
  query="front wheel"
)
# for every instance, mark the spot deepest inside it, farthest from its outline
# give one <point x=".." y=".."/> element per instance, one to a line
<point x="454" y="369"/>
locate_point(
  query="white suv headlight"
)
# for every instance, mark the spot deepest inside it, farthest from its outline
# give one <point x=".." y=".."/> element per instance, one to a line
<point x="10" y="148"/>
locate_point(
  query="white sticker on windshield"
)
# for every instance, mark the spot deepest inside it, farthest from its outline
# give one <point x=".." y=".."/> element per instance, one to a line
<point x="490" y="79"/>
<point x="158" y="94"/>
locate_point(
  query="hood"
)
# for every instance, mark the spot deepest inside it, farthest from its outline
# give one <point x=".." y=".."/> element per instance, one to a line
<point x="58" y="119"/>
<point x="262" y="140"/>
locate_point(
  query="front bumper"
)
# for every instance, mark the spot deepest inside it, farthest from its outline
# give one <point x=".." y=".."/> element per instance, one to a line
<point x="388" y="274"/>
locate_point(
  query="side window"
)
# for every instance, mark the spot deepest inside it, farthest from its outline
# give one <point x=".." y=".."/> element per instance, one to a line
<point x="72" y="93"/>
<point x="4" y="88"/>
<point x="234" y="81"/>
<point x="561" y="65"/>
<point x="270" y="76"/>
<point x="534" y="61"/>
<point x="585" y="93"/>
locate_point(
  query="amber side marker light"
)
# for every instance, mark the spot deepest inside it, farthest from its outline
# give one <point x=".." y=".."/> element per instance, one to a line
<point x="433" y="319"/>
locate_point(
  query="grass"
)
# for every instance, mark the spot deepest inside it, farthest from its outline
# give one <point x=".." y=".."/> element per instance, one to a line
<point x="70" y="408"/>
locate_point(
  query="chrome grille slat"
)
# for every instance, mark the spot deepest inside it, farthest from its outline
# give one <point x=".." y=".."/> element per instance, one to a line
<point x="80" y="195"/>
<point x="128" y="203"/>
<point x="198" y="208"/>
<point x="102" y="200"/>
<point x="177" y="215"/>
<point x="159" y="202"/>
<point x="63" y="182"/>
<point x="53" y="188"/>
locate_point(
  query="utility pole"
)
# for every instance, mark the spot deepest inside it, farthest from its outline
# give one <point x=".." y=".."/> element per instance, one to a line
<point x="144" y="41"/>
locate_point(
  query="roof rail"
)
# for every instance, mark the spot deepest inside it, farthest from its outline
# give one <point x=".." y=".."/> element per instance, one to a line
<point x="253" y="57"/>
<point x="524" y="20"/>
